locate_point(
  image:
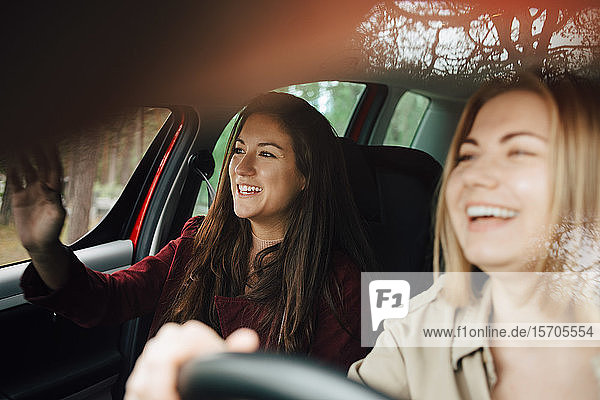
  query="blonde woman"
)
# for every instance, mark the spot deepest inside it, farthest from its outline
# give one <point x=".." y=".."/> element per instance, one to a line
<point x="520" y="193"/>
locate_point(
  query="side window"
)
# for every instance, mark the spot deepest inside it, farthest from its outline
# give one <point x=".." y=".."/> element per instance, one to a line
<point x="201" y="206"/>
<point x="406" y="119"/>
<point x="97" y="164"/>
<point x="335" y="100"/>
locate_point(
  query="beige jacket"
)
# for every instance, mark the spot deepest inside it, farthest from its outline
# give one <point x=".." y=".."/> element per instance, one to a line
<point x="449" y="371"/>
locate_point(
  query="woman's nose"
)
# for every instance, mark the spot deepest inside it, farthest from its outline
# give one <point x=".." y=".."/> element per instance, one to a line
<point x="482" y="172"/>
<point x="245" y="165"/>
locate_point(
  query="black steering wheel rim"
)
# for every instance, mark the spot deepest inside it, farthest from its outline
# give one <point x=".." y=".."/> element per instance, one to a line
<point x="266" y="376"/>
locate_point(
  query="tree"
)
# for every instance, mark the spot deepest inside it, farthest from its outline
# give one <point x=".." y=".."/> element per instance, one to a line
<point x="431" y="39"/>
<point x="82" y="174"/>
<point x="5" y="209"/>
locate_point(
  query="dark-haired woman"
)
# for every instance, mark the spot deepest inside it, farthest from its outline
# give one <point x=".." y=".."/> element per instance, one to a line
<point x="280" y="250"/>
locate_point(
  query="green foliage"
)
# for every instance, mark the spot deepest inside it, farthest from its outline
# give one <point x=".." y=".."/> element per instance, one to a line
<point x="335" y="100"/>
<point x="109" y="190"/>
<point x="406" y="119"/>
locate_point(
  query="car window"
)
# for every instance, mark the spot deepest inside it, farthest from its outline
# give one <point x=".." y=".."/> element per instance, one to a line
<point x="97" y="164"/>
<point x="334" y="99"/>
<point x="406" y="119"/>
<point x="202" y="204"/>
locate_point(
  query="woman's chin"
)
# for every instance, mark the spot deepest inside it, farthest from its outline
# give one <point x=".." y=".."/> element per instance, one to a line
<point x="243" y="211"/>
<point x="491" y="262"/>
<point x="243" y="215"/>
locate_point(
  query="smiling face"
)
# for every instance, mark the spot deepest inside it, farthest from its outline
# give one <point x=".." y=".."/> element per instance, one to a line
<point x="264" y="177"/>
<point x="498" y="195"/>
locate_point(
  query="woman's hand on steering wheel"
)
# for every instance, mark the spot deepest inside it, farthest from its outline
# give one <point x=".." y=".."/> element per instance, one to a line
<point x="155" y="373"/>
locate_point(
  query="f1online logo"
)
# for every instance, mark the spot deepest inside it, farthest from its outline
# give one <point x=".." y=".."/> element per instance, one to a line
<point x="388" y="299"/>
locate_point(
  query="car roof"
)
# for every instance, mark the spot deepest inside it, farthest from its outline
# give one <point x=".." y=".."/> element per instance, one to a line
<point x="71" y="61"/>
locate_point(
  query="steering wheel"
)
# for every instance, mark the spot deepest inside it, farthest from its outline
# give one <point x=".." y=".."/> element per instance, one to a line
<point x="266" y="376"/>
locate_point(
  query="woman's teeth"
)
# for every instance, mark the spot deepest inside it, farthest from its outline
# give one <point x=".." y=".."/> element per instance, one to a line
<point x="486" y="211"/>
<point x="248" y="189"/>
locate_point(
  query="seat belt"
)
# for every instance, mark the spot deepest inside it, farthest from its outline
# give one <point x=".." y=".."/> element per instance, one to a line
<point x="202" y="164"/>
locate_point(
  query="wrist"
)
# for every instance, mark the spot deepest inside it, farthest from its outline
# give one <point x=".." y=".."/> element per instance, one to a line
<point x="52" y="264"/>
<point x="49" y="250"/>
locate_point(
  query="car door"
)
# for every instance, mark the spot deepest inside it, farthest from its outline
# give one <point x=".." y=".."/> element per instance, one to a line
<point x="46" y="356"/>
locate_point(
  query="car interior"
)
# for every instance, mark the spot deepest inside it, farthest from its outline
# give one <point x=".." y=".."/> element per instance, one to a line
<point x="199" y="63"/>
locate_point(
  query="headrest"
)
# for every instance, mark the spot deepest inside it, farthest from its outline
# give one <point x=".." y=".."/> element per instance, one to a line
<point x="364" y="162"/>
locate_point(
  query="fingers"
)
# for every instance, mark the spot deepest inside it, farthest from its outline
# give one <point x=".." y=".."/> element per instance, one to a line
<point x="20" y="173"/>
<point x="26" y="169"/>
<point x="242" y="341"/>
<point x="55" y="169"/>
<point x="49" y="166"/>
<point x="40" y="164"/>
<point x="14" y="181"/>
<point x="155" y="373"/>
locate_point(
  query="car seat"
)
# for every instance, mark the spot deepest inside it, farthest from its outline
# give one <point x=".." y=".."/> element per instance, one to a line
<point x="394" y="189"/>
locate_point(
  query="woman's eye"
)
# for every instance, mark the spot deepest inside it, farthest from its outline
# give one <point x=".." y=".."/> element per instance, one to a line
<point x="520" y="152"/>
<point x="267" y="154"/>
<point x="238" y="150"/>
<point x="464" y="157"/>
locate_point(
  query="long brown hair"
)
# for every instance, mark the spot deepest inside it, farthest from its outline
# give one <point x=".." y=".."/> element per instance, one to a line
<point x="297" y="274"/>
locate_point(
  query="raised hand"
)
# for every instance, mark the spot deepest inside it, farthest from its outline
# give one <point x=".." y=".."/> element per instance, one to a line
<point x="35" y="184"/>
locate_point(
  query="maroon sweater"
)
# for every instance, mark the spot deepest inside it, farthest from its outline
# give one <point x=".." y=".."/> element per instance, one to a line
<point x="93" y="298"/>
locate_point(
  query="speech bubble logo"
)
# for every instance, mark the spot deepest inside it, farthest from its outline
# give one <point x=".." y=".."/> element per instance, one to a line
<point x="388" y="299"/>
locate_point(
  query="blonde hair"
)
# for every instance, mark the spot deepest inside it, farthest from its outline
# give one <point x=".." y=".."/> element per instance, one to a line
<point x="574" y="170"/>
